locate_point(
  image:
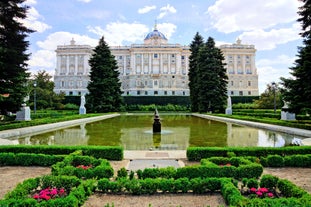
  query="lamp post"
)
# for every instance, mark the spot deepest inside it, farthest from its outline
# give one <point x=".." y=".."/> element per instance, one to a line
<point x="34" y="97"/>
<point x="274" y="101"/>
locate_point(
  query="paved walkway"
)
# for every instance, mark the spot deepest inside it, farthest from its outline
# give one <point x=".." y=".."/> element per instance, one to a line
<point x="154" y="159"/>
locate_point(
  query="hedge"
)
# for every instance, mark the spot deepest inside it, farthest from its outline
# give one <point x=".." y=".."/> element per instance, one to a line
<point x="105" y="152"/>
<point x="83" y="167"/>
<point x="77" y="192"/>
<point x="198" y="153"/>
<point x="286" y="161"/>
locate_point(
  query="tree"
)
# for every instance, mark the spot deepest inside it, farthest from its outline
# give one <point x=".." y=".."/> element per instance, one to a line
<point x="13" y="56"/>
<point x="266" y="99"/>
<point x="195" y="45"/>
<point x="45" y="96"/>
<point x="104" y="86"/>
<point x="297" y="90"/>
<point x="212" y="78"/>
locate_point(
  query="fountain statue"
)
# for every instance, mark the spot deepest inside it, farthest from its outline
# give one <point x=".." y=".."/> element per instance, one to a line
<point x="156" y="123"/>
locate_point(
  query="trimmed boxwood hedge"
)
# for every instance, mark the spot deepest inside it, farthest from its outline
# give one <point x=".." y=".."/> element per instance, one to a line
<point x="105" y="152"/>
<point x="198" y="153"/>
<point x="286" y="161"/>
<point x="77" y="192"/>
<point x="100" y="168"/>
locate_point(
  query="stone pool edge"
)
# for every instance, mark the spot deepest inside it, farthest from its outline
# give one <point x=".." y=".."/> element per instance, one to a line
<point x="33" y="130"/>
<point x="284" y="129"/>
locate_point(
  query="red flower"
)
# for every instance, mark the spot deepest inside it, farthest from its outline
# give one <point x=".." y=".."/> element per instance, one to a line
<point x="270" y="195"/>
<point x="253" y="190"/>
<point x="36" y="196"/>
<point x="263" y="190"/>
<point x="259" y="193"/>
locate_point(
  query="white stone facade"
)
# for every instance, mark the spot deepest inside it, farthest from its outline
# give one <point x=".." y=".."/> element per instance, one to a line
<point x="154" y="68"/>
<point x="241" y="69"/>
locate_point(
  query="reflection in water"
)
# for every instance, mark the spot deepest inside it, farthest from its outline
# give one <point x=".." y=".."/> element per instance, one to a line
<point x="131" y="132"/>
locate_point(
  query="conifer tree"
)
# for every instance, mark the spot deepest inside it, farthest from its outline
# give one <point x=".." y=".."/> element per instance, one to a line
<point x="297" y="90"/>
<point x="13" y="56"/>
<point x="104" y="86"/>
<point x="195" y="45"/>
<point x="212" y="78"/>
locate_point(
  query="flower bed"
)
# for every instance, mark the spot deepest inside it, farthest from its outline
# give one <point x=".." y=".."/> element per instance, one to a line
<point x="83" y="167"/>
<point x="50" y="191"/>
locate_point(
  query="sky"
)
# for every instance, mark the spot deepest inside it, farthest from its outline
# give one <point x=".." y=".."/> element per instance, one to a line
<point x="271" y="26"/>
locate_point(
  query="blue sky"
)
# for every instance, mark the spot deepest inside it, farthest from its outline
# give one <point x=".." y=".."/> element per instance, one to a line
<point x="269" y="25"/>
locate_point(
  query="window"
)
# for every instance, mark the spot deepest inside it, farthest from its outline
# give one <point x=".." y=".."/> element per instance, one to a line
<point x="232" y="93"/>
<point x="165" y="92"/>
<point x="240" y="93"/>
<point x="79" y="93"/>
<point x="120" y="57"/>
<point x="127" y="93"/>
<point x="183" y="93"/>
<point x="146" y="92"/>
<point x="155" y="55"/>
<point x="70" y="93"/>
<point x="182" y="57"/>
<point x="63" y="84"/>
<point x="173" y="92"/>
<point x="249" y="83"/>
<point x="173" y="55"/>
<point x="155" y="82"/>
<point x="138" y="92"/>
<point x="232" y="83"/>
<point x="249" y="93"/>
<point x="155" y="92"/>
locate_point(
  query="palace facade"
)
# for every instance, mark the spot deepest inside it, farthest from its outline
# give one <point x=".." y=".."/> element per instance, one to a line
<point x="154" y="68"/>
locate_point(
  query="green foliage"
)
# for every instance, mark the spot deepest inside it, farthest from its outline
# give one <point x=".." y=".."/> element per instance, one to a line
<point x="133" y="102"/>
<point x="105" y="152"/>
<point x="122" y="173"/>
<point x="212" y="78"/>
<point x="195" y="46"/>
<point x="13" y="54"/>
<point x="104" y="86"/>
<point x="83" y="167"/>
<point x="266" y="100"/>
<point x="70" y="106"/>
<point x="269" y="181"/>
<point x="198" y="153"/>
<point x="297" y="89"/>
<point x="275" y="161"/>
<point x="252" y="183"/>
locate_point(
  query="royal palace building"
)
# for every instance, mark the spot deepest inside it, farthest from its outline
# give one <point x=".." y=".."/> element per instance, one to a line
<point x="154" y="68"/>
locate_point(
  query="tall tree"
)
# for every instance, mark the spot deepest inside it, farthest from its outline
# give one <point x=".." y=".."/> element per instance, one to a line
<point x="297" y="90"/>
<point x="212" y="78"/>
<point x="45" y="96"/>
<point x="104" y="86"/>
<point x="195" y="45"/>
<point x="13" y="56"/>
<point x="266" y="99"/>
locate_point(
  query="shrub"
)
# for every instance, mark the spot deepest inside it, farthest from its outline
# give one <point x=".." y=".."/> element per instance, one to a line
<point x="252" y="183"/>
<point x="275" y="161"/>
<point x="269" y="181"/>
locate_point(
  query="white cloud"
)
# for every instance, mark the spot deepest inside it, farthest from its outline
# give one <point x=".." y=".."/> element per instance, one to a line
<point x="33" y="21"/>
<point x="267" y="40"/>
<point x="275" y="67"/>
<point x="30" y="2"/>
<point x="146" y="9"/>
<point x="167" y="29"/>
<point x="166" y="10"/>
<point x="116" y="33"/>
<point x="243" y="15"/>
<point x="45" y="57"/>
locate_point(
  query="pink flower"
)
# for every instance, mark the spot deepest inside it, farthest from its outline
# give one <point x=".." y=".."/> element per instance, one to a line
<point x="61" y="191"/>
<point x="263" y="190"/>
<point x="270" y="195"/>
<point x="253" y="190"/>
<point x="45" y="197"/>
<point x="259" y="193"/>
<point x="53" y="192"/>
<point x="36" y="196"/>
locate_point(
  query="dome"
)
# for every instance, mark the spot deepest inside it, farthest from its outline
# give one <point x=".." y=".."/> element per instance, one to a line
<point x="155" y="33"/>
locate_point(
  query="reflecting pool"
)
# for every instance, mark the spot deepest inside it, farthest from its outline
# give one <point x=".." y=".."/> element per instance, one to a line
<point x="134" y="132"/>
